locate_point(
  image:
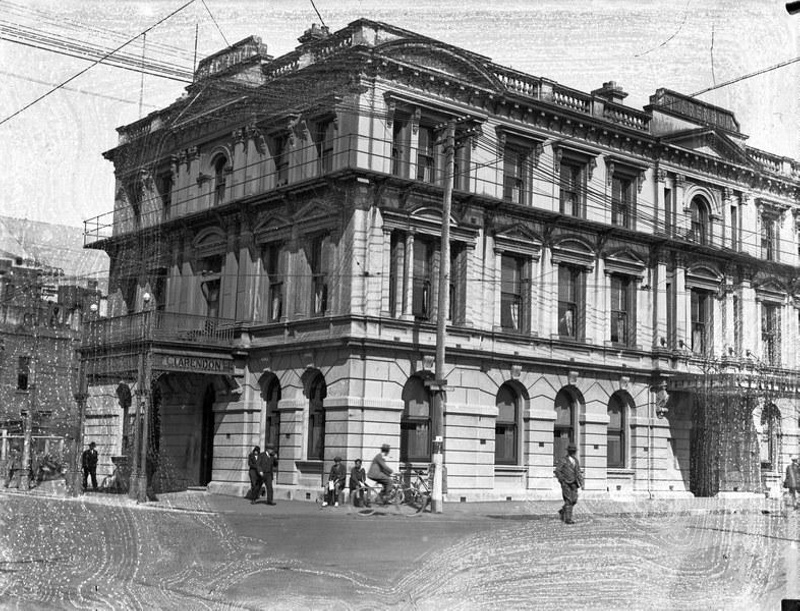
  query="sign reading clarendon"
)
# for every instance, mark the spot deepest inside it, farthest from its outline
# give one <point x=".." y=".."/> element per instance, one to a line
<point x="194" y="364"/>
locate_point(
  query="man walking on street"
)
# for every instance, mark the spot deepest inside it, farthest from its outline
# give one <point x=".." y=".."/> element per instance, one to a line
<point x="89" y="464"/>
<point x="14" y="466"/>
<point x="255" y="480"/>
<point x="793" y="481"/>
<point x="267" y="464"/>
<point x="570" y="477"/>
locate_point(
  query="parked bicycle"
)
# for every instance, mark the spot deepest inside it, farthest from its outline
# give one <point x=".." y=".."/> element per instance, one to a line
<point x="417" y="492"/>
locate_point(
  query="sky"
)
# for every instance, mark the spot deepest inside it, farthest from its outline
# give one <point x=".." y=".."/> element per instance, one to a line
<point x="52" y="151"/>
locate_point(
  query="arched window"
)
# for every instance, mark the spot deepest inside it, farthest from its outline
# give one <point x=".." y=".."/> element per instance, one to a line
<point x="505" y="428"/>
<point x="415" y="424"/>
<point x="701" y="228"/>
<point x="617" y="418"/>
<point x="564" y="426"/>
<point x="220" y="163"/>
<point x="770" y="437"/>
<point x="272" y="431"/>
<point x="317" y="391"/>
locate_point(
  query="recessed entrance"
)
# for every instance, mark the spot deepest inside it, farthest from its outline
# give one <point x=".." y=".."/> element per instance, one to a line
<point x="207" y="437"/>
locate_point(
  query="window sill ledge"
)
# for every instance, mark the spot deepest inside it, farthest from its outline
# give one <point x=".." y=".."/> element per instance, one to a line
<point x="510" y="469"/>
<point x="620" y="472"/>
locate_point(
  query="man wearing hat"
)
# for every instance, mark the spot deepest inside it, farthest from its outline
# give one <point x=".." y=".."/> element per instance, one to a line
<point x="570" y="477"/>
<point x="358" y="485"/>
<point x="380" y="472"/>
<point x="267" y="464"/>
<point x="792" y="481"/>
<point x="89" y="464"/>
<point x="335" y="482"/>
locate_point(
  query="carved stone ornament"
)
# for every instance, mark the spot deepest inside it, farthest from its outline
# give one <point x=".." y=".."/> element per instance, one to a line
<point x="640" y="178"/>
<point x="391" y="106"/>
<point x="591" y="167"/>
<point x="661" y="175"/>
<point x="609" y="172"/>
<point x="428" y="362"/>
<point x="572" y="378"/>
<point x="516" y="371"/>
<point x="624" y="381"/>
<point x="415" y="118"/>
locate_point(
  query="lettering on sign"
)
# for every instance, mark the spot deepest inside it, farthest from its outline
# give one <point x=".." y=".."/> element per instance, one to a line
<point x="200" y="364"/>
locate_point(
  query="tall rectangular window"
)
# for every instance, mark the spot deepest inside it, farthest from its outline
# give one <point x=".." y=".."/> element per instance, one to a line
<point x="622" y="198"/>
<point x="701" y="303"/>
<point x="514" y="175"/>
<point x="737" y="325"/>
<point x="770" y="333"/>
<point x="667" y="210"/>
<point x="455" y="313"/>
<point x="570" y="301"/>
<point x="211" y="270"/>
<point x="400" y="144"/>
<point x="672" y="306"/>
<point x="511" y="293"/>
<point x="423" y="280"/>
<point x="23" y="372"/>
<point x="326" y="133"/>
<point x="571" y="188"/>
<point x="280" y="156"/>
<point x="272" y="254"/>
<point x="621" y="310"/>
<point x="769" y="237"/>
<point x="319" y="277"/>
<point x="426" y="154"/>
<point x="735" y="227"/>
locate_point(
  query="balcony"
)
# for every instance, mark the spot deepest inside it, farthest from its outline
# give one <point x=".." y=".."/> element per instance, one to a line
<point x="159" y="327"/>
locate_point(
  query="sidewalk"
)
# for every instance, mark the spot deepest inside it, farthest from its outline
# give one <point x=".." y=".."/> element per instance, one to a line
<point x="203" y="502"/>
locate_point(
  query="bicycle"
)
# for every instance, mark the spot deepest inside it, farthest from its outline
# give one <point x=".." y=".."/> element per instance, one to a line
<point x="417" y="492"/>
<point x="375" y="498"/>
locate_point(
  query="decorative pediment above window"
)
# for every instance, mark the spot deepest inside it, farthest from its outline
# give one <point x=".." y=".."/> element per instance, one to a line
<point x="587" y="157"/>
<point x="630" y="168"/>
<point x="624" y="262"/>
<point x="432" y="108"/>
<point x="437" y="57"/>
<point x="771" y="291"/>
<point x="515" y="239"/>
<point x="210" y="241"/>
<point x="703" y="277"/>
<point x="772" y="209"/>
<point x="711" y="142"/>
<point x="426" y="221"/>
<point x="519" y="138"/>
<point x="272" y="228"/>
<point x="573" y="251"/>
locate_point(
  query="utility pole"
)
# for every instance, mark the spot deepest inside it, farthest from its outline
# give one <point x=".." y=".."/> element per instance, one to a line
<point x="88" y="339"/>
<point x="138" y="478"/>
<point x="440" y="383"/>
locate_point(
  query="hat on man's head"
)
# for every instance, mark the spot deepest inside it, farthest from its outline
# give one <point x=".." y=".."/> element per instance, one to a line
<point x="385" y="447"/>
<point x="358" y="461"/>
<point x="92" y="444"/>
<point x="337" y="459"/>
<point x="572" y="448"/>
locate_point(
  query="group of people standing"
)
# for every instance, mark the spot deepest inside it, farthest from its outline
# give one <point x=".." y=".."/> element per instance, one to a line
<point x="379" y="472"/>
<point x="262" y="467"/>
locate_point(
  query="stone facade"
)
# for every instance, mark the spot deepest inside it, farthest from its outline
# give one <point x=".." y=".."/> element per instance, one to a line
<point x="275" y="256"/>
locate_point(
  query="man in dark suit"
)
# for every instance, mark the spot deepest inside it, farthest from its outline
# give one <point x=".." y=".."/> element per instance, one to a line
<point x="570" y="477"/>
<point x="89" y="464"/>
<point x="267" y="464"/>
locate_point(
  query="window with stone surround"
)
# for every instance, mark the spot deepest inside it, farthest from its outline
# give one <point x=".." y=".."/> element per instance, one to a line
<point x="702" y="321"/>
<point x="623" y="310"/>
<point x="23" y="372"/>
<point x="279" y="148"/>
<point x="564" y="427"/>
<point x="769" y="237"/>
<point x="401" y="143"/>
<point x="424" y="252"/>
<point x="221" y="170"/>
<point x="623" y="199"/>
<point x="618" y="407"/>
<point x="324" y="139"/>
<point x="319" y="276"/>
<point x="770" y="437"/>
<point x="515" y="174"/>
<point x="415" y="423"/>
<point x="513" y="281"/>
<point x="572" y="192"/>
<point x="429" y="157"/>
<point x="700" y="219"/>
<point x="571" y="301"/>
<point x="272" y="427"/>
<point x="273" y="258"/>
<point x="770" y="333"/>
<point x="506" y="428"/>
<point x="317" y="391"/>
<point x="211" y="282"/>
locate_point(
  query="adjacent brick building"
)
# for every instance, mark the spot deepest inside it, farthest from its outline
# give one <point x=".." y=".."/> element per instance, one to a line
<point x="621" y="278"/>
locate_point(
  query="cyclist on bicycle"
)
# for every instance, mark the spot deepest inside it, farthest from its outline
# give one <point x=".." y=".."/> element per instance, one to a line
<point x="380" y="472"/>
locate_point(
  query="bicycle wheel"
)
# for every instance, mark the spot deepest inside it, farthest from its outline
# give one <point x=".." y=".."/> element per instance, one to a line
<point x="371" y="499"/>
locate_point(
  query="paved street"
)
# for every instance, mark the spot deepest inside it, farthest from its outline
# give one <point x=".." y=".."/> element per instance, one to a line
<point x="199" y="551"/>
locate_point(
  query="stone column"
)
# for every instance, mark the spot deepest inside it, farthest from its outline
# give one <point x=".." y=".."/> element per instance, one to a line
<point x="683" y="305"/>
<point x="239" y="163"/>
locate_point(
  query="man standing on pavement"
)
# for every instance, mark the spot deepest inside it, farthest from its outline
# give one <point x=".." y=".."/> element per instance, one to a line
<point x="570" y="477"/>
<point x="89" y="464"/>
<point x="14" y="466"/>
<point x="793" y="481"/>
<point x="380" y="472"/>
<point x="267" y="464"/>
<point x="255" y="480"/>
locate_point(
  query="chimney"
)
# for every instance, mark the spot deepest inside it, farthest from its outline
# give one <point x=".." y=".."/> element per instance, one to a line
<point x="611" y="91"/>
<point x="314" y="33"/>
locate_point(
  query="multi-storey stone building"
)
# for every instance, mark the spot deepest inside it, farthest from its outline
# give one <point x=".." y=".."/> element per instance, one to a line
<point x="621" y="278"/>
